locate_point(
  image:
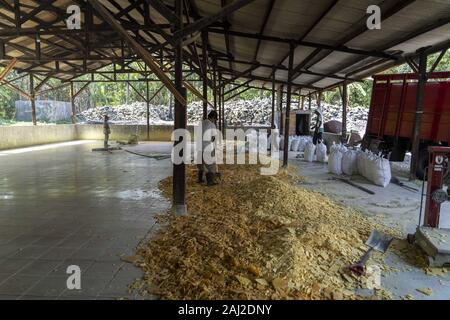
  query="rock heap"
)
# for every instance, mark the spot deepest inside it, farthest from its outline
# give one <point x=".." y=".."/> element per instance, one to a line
<point x="256" y="112"/>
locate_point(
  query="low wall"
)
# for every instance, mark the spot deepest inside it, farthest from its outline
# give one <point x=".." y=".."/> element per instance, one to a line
<point x="123" y="132"/>
<point x="25" y="136"/>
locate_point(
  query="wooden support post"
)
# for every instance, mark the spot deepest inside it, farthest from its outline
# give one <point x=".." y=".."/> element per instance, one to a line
<point x="419" y="111"/>
<point x="215" y="84"/>
<point x="309" y="102"/>
<point x="148" y="109"/>
<point x="205" y="74"/>
<point x="223" y="110"/>
<point x="280" y="107"/>
<point x="72" y="101"/>
<point x="272" y="122"/>
<point x="288" y="106"/>
<point x="179" y="170"/>
<point x="344" y="110"/>
<point x="219" y="97"/>
<point x="319" y="99"/>
<point x="33" y="100"/>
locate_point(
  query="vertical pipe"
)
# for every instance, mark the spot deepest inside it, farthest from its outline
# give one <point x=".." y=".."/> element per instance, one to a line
<point x="344" y="109"/>
<point x="72" y="101"/>
<point x="205" y="74"/>
<point x="33" y="100"/>
<point x="272" y="122"/>
<point x="179" y="170"/>
<point x="419" y="111"/>
<point x="148" y="110"/>
<point x="288" y="106"/>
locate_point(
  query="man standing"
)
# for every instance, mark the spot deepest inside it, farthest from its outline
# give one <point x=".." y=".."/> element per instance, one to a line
<point x="208" y="140"/>
<point x="106" y="131"/>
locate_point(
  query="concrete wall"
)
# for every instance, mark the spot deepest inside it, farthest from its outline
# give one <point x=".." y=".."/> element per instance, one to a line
<point x="123" y="132"/>
<point x="24" y="136"/>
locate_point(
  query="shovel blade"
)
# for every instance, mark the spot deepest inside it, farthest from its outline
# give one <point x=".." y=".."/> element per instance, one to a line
<point x="379" y="241"/>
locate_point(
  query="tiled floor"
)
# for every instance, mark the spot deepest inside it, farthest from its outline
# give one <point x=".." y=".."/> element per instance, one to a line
<point x="69" y="206"/>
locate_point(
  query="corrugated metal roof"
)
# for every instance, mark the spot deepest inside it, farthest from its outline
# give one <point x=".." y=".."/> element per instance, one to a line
<point x="407" y="25"/>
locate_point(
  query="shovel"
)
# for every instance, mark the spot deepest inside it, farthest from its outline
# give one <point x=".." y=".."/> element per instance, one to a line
<point x="378" y="242"/>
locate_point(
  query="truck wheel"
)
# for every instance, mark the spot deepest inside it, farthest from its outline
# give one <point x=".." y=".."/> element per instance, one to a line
<point x="422" y="164"/>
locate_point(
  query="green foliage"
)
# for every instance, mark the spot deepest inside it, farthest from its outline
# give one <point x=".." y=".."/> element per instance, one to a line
<point x="113" y="94"/>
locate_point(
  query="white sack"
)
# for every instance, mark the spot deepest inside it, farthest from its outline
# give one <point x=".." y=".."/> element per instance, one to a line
<point x="310" y="151"/>
<point x="350" y="162"/>
<point x="335" y="163"/>
<point x="381" y="172"/>
<point x="322" y="153"/>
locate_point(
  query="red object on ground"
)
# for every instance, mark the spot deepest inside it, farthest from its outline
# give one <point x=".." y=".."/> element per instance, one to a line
<point x="439" y="157"/>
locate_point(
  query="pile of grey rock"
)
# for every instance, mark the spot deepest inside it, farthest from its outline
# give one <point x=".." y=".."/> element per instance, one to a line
<point x="256" y="112"/>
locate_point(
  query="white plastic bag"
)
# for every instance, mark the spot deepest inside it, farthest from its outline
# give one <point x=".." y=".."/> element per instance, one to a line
<point x="335" y="163"/>
<point x="361" y="163"/>
<point x="322" y="153"/>
<point x="310" y="151"/>
<point x="302" y="144"/>
<point x="381" y="172"/>
<point x="294" y="144"/>
<point x="350" y="162"/>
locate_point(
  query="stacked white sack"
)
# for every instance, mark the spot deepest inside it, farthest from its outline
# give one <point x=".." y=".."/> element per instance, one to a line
<point x="322" y="153"/>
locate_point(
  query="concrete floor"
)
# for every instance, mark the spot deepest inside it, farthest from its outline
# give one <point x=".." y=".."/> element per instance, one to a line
<point x="392" y="206"/>
<point x="64" y="205"/>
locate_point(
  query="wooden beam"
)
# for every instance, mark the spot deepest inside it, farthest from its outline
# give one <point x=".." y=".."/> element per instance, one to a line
<point x="207" y="21"/>
<point x="8" y="69"/>
<point x="197" y="93"/>
<point x="339" y="48"/>
<point x="139" y="50"/>
<point x="16" y="89"/>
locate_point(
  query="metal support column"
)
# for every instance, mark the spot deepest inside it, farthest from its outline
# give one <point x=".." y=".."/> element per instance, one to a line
<point x="148" y="109"/>
<point x="223" y="111"/>
<point x="33" y="100"/>
<point x="288" y="106"/>
<point x="215" y="84"/>
<point x="179" y="170"/>
<point x="280" y="107"/>
<point x="344" y="110"/>
<point x="419" y="111"/>
<point x="219" y="98"/>
<point x="72" y="101"/>
<point x="272" y="122"/>
<point x="205" y="74"/>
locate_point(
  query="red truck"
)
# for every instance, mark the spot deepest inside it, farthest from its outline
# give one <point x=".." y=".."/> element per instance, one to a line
<point x="392" y="112"/>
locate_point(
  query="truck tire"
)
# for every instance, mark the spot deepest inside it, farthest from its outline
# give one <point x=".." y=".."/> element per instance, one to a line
<point x="422" y="164"/>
